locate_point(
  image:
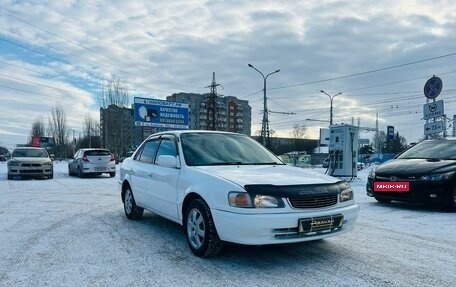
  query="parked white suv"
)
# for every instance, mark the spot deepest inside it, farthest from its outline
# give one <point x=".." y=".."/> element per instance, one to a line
<point x="226" y="187"/>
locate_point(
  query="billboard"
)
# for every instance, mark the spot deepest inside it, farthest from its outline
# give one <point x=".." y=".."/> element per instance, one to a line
<point x="45" y="142"/>
<point x="160" y="113"/>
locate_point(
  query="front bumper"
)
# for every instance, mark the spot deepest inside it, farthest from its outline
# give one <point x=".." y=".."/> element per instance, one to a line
<point x="277" y="228"/>
<point x="420" y="191"/>
<point x="30" y="171"/>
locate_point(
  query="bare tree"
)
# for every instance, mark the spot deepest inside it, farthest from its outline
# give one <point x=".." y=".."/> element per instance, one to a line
<point x="379" y="140"/>
<point x="299" y="131"/>
<point x="114" y="92"/>
<point x="91" y="126"/>
<point x="38" y="128"/>
<point x="116" y="131"/>
<point x="58" y="128"/>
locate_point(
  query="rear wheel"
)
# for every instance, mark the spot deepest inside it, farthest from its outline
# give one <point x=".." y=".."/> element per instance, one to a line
<point x="69" y="171"/>
<point x="80" y="173"/>
<point x="383" y="200"/>
<point x="132" y="211"/>
<point x="202" y="236"/>
<point x="112" y="174"/>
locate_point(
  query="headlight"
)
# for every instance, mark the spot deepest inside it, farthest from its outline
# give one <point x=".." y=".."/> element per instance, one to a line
<point x="47" y="163"/>
<point x="245" y="200"/>
<point x="437" y="177"/>
<point x="346" y="195"/>
<point x="372" y="173"/>
<point x="13" y="163"/>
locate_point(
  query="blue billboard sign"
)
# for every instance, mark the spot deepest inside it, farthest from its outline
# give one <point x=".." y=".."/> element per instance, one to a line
<point x="160" y="113"/>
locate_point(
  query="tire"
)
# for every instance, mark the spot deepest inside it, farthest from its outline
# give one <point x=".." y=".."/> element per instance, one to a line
<point x="202" y="237"/>
<point x="112" y="174"/>
<point x="132" y="211"/>
<point x="383" y="200"/>
<point x="451" y="203"/>
<point x="80" y="173"/>
<point x="51" y="176"/>
<point x="69" y="171"/>
<point x="10" y="176"/>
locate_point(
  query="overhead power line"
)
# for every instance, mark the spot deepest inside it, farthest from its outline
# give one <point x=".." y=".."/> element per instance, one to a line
<point x="83" y="47"/>
<point x="365" y="73"/>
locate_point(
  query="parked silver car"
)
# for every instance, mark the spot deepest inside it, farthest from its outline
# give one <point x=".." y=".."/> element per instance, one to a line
<point x="30" y="162"/>
<point x="92" y="161"/>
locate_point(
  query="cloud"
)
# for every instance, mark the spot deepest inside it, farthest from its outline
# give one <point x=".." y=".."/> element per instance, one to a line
<point x="161" y="47"/>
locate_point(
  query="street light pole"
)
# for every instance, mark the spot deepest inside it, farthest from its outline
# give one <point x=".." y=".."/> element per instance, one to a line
<point x="331" y="105"/>
<point x="265" y="123"/>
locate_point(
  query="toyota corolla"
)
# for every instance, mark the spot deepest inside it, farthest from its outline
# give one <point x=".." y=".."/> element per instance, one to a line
<point x="226" y="187"/>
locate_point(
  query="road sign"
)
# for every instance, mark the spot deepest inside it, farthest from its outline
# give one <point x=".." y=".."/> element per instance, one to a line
<point x="433" y="87"/>
<point x="433" y="110"/>
<point x="390" y="132"/>
<point x="433" y="128"/>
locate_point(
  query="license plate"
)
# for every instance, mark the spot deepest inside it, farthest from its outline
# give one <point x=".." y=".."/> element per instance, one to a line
<point x="100" y="169"/>
<point x="321" y="223"/>
<point x="397" y="186"/>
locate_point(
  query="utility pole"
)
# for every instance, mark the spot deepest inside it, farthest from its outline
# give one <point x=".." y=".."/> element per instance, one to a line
<point x="212" y="106"/>
<point x="265" y="132"/>
<point x="331" y="98"/>
<point x="454" y="125"/>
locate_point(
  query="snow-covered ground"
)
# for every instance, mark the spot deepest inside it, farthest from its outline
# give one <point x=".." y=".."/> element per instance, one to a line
<point x="69" y="231"/>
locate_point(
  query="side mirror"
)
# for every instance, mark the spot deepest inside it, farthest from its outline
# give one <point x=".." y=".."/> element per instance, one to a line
<point x="52" y="156"/>
<point x="168" y="161"/>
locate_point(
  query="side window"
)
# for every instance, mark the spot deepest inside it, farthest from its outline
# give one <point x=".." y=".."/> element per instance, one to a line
<point x="167" y="147"/>
<point x="149" y="151"/>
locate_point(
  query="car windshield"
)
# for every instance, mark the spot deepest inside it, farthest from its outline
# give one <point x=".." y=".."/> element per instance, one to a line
<point x="29" y="153"/>
<point x="441" y="149"/>
<point x="224" y="149"/>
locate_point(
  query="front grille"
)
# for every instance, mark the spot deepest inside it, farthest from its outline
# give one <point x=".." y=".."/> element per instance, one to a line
<point x="395" y="177"/>
<point x="31" y="164"/>
<point x="28" y="171"/>
<point x="313" y="202"/>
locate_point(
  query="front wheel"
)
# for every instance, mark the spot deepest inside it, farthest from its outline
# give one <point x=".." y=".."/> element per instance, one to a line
<point x="202" y="236"/>
<point x="132" y="211"/>
<point x="451" y="203"/>
<point x="383" y="200"/>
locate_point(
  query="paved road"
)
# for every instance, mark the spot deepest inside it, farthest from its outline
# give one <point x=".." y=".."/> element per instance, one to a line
<point x="72" y="232"/>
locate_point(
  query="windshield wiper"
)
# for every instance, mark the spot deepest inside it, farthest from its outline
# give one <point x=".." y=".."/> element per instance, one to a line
<point x="267" y="163"/>
<point x="227" y="163"/>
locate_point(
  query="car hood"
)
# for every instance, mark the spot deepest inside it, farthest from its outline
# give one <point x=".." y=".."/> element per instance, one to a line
<point x="415" y="166"/>
<point x="270" y="174"/>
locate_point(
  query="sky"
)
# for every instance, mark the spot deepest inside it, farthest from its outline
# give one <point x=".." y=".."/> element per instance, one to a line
<point x="378" y="54"/>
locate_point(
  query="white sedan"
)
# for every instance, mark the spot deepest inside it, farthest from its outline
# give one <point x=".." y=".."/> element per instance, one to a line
<point x="226" y="187"/>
